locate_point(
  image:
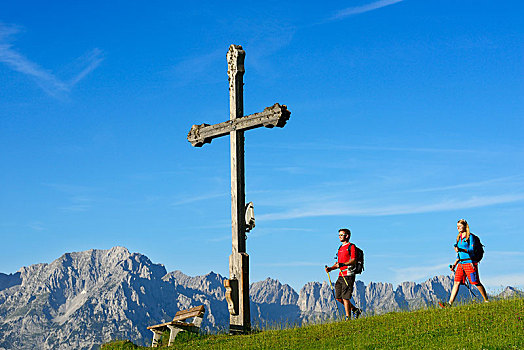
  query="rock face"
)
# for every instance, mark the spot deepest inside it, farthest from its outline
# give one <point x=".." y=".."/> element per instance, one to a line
<point x="10" y="280"/>
<point x="510" y="292"/>
<point x="273" y="304"/>
<point x="84" y="299"/>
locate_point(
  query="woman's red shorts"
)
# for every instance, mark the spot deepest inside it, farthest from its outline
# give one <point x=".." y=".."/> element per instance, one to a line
<point x="467" y="269"/>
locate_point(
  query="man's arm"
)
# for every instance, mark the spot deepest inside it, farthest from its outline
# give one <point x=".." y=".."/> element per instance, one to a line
<point x="331" y="268"/>
<point x="349" y="263"/>
<point x="352" y="260"/>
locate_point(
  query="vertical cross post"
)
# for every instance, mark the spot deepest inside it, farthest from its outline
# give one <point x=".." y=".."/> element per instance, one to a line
<point x="240" y="321"/>
<point x="237" y="286"/>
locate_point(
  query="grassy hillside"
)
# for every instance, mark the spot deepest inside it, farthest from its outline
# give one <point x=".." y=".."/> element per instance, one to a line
<point x="497" y="325"/>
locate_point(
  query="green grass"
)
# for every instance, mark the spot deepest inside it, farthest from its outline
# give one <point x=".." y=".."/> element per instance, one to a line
<point x="497" y="325"/>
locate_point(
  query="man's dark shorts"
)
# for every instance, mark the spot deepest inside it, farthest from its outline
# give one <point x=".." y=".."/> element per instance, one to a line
<point x="344" y="290"/>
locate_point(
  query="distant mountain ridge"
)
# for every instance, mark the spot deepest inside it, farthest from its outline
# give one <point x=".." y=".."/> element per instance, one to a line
<point x="84" y="299"/>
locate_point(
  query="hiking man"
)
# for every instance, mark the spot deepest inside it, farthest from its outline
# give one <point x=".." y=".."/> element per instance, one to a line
<point x="346" y="261"/>
<point x="464" y="267"/>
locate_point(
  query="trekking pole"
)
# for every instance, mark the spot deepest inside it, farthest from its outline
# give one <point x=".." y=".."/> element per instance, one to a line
<point x="333" y="291"/>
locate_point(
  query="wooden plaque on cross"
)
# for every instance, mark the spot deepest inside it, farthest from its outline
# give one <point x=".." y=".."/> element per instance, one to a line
<point x="237" y="286"/>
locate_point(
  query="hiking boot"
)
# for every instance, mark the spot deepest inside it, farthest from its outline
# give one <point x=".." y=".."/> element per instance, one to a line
<point x="357" y="313"/>
<point x="347" y="318"/>
<point x="443" y="304"/>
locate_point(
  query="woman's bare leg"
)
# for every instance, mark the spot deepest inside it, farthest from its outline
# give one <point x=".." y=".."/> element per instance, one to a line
<point x="482" y="291"/>
<point x="454" y="292"/>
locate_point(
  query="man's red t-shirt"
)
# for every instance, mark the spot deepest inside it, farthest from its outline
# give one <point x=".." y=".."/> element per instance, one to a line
<point x="344" y="256"/>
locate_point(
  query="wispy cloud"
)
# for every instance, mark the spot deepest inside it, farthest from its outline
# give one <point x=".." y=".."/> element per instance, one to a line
<point x="326" y="145"/>
<point x="219" y="239"/>
<point x="37" y="226"/>
<point x="80" y="198"/>
<point x="48" y="81"/>
<point x="79" y="204"/>
<point x="193" y="199"/>
<point x="355" y="10"/>
<point x="196" y="67"/>
<point x="506" y="253"/>
<point x="267" y="38"/>
<point x="291" y="264"/>
<point x="289" y="229"/>
<point x="292" y="170"/>
<point x="497" y="281"/>
<point x="318" y="209"/>
<point x="70" y="189"/>
<point x="504" y="179"/>
<point x="263" y="39"/>
<point x="267" y="231"/>
<point x="76" y="208"/>
<point x="91" y="61"/>
<point x="416" y="273"/>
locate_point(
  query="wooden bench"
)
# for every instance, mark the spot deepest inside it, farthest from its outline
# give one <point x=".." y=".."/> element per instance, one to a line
<point x="178" y="324"/>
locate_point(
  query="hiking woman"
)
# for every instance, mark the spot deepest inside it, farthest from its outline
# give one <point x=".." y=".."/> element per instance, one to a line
<point x="464" y="267"/>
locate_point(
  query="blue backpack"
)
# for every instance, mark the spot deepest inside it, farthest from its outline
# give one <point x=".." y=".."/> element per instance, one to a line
<point x="478" y="248"/>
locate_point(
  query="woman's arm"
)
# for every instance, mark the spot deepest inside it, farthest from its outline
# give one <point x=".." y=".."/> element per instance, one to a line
<point x="457" y="249"/>
<point x="452" y="267"/>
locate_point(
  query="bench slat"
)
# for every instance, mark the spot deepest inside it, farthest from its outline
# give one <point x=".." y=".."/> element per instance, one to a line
<point x="194" y="310"/>
<point x="184" y="317"/>
<point x="172" y="323"/>
<point x="158" y="326"/>
<point x="181" y="316"/>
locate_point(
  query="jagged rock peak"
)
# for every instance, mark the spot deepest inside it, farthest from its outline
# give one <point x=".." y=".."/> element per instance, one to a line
<point x="211" y="283"/>
<point x="315" y="297"/>
<point x="271" y="291"/>
<point x="510" y="292"/>
<point x="83" y="299"/>
<point x="90" y="266"/>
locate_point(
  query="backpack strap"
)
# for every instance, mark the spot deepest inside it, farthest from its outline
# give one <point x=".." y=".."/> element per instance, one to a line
<point x="349" y="250"/>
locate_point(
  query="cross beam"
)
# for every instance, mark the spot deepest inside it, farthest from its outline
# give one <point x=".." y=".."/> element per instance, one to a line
<point x="237" y="286"/>
<point x="275" y="115"/>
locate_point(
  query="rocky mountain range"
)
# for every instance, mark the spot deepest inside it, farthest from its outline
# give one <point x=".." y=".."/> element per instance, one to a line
<point x="84" y="299"/>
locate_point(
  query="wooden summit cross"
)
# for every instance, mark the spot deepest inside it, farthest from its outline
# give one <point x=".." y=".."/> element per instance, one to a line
<point x="237" y="286"/>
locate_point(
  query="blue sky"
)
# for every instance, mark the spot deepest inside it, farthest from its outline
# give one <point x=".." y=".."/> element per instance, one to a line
<point x="407" y="115"/>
